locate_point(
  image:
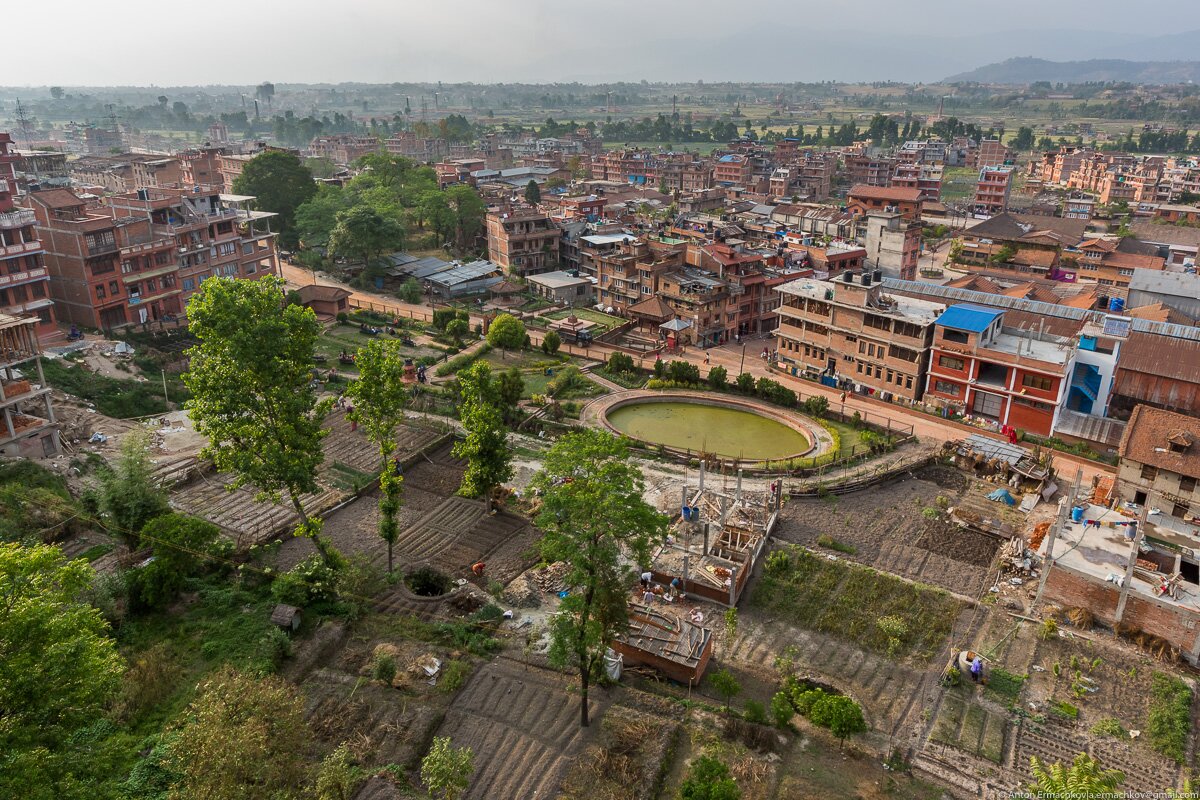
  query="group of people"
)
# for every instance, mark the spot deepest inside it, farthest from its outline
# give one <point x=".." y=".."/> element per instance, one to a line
<point x="653" y="592"/>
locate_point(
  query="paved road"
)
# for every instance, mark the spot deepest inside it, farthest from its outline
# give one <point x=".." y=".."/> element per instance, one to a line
<point x="746" y="356"/>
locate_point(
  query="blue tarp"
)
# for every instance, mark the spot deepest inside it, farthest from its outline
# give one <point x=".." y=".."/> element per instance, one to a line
<point x="1003" y="496"/>
<point x="966" y="317"/>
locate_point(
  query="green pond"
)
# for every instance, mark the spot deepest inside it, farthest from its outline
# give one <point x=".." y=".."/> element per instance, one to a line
<point x="724" y="431"/>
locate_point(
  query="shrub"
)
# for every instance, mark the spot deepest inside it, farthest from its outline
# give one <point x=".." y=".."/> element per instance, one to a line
<point x="454" y="675"/>
<point x="830" y="543"/>
<point x="507" y="332"/>
<point x="724" y="684"/>
<point x="816" y="405"/>
<point x="443" y="317"/>
<point x="782" y="710"/>
<point x="1049" y="630"/>
<point x="895" y="628"/>
<point x="756" y="712"/>
<point x="708" y="779"/>
<point x="1110" y="727"/>
<point x="779" y="563"/>
<point x="620" y="362"/>
<point x="717" y="377"/>
<point x="683" y="372"/>
<point x="551" y="342"/>
<point x="745" y="383"/>
<point x="310" y="581"/>
<point x="841" y="715"/>
<point x="929" y="512"/>
<point x="383" y="668"/>
<point x="410" y="291"/>
<point x="660" y="368"/>
<point x="343" y="318"/>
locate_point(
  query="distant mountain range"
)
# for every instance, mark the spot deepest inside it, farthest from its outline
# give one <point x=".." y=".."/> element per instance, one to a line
<point x="1030" y="70"/>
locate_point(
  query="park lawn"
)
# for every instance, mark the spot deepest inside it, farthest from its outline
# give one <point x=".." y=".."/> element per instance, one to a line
<point x="522" y="359"/>
<point x="337" y="338"/>
<point x="538" y="382"/>
<point x="846" y="599"/>
<point x="848" y="436"/>
<point x="606" y="321"/>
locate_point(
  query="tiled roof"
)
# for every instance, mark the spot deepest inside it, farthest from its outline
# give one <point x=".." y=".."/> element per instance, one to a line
<point x="885" y="193"/>
<point x="1163" y="439"/>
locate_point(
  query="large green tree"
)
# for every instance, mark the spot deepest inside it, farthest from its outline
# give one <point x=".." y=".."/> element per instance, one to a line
<point x="1082" y="778"/>
<point x="250" y="379"/>
<point x="379" y="397"/>
<point x="446" y="770"/>
<point x="469" y="211"/>
<point x="281" y="183"/>
<point x="506" y="332"/>
<point x="316" y="218"/>
<point x="242" y="738"/>
<point x="364" y="233"/>
<point x="485" y="445"/>
<point x="595" y="521"/>
<point x="58" y="668"/>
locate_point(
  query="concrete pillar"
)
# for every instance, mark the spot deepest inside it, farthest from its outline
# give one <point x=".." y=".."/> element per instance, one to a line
<point x="1063" y="514"/>
<point x="1133" y="554"/>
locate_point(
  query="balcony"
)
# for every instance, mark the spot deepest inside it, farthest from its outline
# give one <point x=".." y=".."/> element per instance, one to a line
<point x="20" y="248"/>
<point x="17" y="219"/>
<point x="14" y="278"/>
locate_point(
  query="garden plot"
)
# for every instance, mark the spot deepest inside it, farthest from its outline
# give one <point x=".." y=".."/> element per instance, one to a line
<point x="964" y="723"/>
<point x="900" y="528"/>
<point x="522" y="724"/>
<point x="458" y="533"/>
<point x="354" y="450"/>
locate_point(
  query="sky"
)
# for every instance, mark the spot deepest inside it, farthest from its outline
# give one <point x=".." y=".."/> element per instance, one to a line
<point x="245" y="42"/>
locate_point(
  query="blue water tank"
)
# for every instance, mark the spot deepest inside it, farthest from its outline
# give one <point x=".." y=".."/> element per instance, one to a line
<point x="1116" y="305"/>
<point x="1077" y="514"/>
<point x="687" y="514"/>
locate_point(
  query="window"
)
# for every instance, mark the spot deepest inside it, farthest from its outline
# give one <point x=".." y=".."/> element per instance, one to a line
<point x="99" y="291"/>
<point x="945" y="387"/>
<point x="126" y="267"/>
<point x="1187" y="484"/>
<point x="189" y="284"/>
<point x="38" y="289"/>
<point x="1181" y="510"/>
<point x="950" y="362"/>
<point x="247" y="248"/>
<point x="908" y="382"/>
<point x="958" y="337"/>
<point x="1039" y="382"/>
<point x="1149" y="473"/>
<point x="161" y="258"/>
<point x="114" y="288"/>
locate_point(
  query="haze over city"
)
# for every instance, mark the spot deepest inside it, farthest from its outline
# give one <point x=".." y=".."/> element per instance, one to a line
<point x="544" y="41"/>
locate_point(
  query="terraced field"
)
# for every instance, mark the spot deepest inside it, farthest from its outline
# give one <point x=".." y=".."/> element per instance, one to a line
<point x="522" y="724"/>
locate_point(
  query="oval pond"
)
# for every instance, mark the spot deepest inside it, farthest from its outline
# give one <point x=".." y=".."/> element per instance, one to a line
<point x="721" y="430"/>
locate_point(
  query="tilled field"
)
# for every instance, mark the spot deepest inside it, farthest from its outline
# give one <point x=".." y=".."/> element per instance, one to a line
<point x="889" y="531"/>
<point x="522" y="724"/>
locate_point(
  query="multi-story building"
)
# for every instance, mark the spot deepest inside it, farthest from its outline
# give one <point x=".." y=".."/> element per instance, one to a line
<point x="869" y="171"/>
<point x="28" y="428"/>
<point x="201" y="166"/>
<point x="893" y="244"/>
<point x="24" y="281"/>
<point x="929" y="151"/>
<point x="409" y="145"/>
<point x="862" y="200"/>
<point x="138" y="259"/>
<point x="631" y="273"/>
<point x="343" y="148"/>
<point x="993" y="153"/>
<point x="214" y="234"/>
<point x="1013" y="377"/>
<point x="523" y="241"/>
<point x="992" y="190"/>
<point x="1160" y="462"/>
<point x="1079" y="207"/>
<point x="925" y="178"/>
<point x="1057" y="166"/>
<point x="833" y="258"/>
<point x="733" y="169"/>
<point x="701" y="299"/>
<point x="1111" y="261"/>
<point x="848" y="333"/>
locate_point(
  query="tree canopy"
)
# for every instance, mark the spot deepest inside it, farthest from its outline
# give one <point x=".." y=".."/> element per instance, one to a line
<point x="379" y="397"/>
<point x="58" y="667"/>
<point x="250" y="380"/>
<point x="242" y="738"/>
<point x="365" y="234"/>
<point x="485" y="446"/>
<point x="280" y="183"/>
<point x="596" y="521"/>
<point x="128" y="497"/>
<point x="506" y="332"/>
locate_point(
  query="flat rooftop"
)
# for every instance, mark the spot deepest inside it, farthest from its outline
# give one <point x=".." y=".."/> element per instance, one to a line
<point x="1104" y="551"/>
<point x="907" y="309"/>
<point x="1050" y="349"/>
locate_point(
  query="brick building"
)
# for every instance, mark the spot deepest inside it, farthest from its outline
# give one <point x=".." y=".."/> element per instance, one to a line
<point x="925" y="178"/>
<point x="523" y="241"/>
<point x="980" y="367"/>
<point x="992" y="191"/>
<point x="24" y="280"/>
<point x="1160" y="462"/>
<point x="27" y="425"/>
<point x="847" y="332"/>
<point x="908" y="202"/>
<point x="893" y="243"/>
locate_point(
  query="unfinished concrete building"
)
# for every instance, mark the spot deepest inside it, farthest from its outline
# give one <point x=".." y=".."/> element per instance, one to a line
<point x="29" y="429"/>
<point x="716" y="542"/>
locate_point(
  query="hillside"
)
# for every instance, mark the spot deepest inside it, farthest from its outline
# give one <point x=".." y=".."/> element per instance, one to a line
<point x="1029" y="70"/>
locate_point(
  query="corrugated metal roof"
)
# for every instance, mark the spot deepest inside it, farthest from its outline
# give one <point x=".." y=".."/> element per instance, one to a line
<point x="965" y="317"/>
<point x="1034" y="306"/>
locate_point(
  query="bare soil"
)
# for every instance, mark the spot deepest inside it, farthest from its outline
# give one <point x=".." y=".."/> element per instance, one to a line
<point x="889" y="530"/>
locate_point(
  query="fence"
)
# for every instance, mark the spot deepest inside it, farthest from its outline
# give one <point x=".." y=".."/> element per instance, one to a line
<point x="393" y="311"/>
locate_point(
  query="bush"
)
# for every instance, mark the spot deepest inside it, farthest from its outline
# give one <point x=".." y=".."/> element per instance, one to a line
<point x="620" y="362"/>
<point x="756" y="712"/>
<point x="779" y="563"/>
<point x="816" y="405"/>
<point x="383" y="668"/>
<point x="830" y="543"/>
<point x="443" y="317"/>
<point x="708" y="779"/>
<point x="312" y="580"/>
<point x="683" y="372"/>
<point x="343" y="318"/>
<point x="551" y="342"/>
<point x="718" y="378"/>
<point x="410" y="291"/>
<point x="507" y="332"/>
<point x="724" y="684"/>
<point x="782" y="710"/>
<point x="841" y="715"/>
<point x="454" y="675"/>
<point x="745" y="383"/>
<point x="1110" y="727"/>
<point x="895" y="628"/>
<point x="1049" y="630"/>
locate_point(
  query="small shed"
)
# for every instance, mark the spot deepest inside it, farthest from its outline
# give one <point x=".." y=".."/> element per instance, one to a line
<point x="667" y="642"/>
<point x="286" y="617"/>
<point x="325" y="301"/>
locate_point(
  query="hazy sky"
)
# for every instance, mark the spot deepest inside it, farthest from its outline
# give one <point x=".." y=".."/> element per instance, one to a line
<point x="138" y="42"/>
